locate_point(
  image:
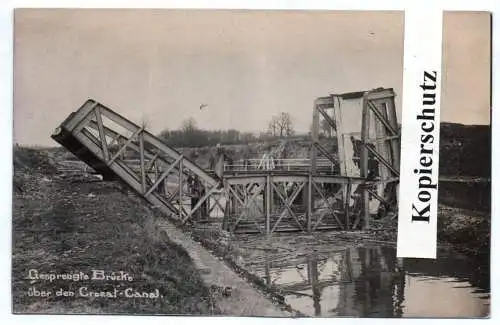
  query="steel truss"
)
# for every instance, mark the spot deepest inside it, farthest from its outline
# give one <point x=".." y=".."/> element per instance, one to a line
<point x="104" y="139"/>
<point x="254" y="201"/>
<point x="268" y="203"/>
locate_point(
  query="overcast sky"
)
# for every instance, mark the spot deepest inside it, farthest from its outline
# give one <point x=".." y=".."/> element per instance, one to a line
<point x="160" y="66"/>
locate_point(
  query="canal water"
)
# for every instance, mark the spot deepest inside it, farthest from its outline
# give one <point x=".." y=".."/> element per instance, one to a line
<point x="372" y="282"/>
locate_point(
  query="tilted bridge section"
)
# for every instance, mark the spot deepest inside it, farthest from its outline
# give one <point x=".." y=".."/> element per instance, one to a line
<point x="332" y="190"/>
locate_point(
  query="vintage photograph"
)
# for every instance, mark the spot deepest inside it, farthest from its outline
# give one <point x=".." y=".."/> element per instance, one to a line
<point x="239" y="163"/>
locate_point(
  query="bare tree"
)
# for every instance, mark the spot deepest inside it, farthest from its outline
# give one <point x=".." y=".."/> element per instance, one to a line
<point x="145" y="124"/>
<point x="281" y="125"/>
<point x="189" y="125"/>
<point x="273" y="128"/>
<point x="285" y="127"/>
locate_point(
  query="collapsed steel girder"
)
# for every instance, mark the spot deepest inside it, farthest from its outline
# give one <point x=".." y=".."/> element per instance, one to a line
<point x="102" y="138"/>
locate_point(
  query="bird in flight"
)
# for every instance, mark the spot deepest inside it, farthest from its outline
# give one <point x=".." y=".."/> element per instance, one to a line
<point x="202" y="106"/>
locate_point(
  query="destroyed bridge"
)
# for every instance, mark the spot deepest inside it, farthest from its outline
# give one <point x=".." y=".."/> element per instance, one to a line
<point x="363" y="186"/>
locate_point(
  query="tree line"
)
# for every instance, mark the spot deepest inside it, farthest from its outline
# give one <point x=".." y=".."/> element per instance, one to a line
<point x="190" y="135"/>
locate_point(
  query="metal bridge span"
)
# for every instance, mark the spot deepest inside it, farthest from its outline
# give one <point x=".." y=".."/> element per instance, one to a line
<point x="331" y="190"/>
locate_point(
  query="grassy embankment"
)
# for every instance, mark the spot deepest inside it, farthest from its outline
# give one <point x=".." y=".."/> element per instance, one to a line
<point x="73" y="224"/>
<point x="465" y="218"/>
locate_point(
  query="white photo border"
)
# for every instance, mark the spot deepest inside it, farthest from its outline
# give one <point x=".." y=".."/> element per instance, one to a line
<point x="6" y="88"/>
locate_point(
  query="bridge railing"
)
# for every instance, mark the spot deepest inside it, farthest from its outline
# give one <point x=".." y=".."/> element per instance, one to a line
<point x="288" y="164"/>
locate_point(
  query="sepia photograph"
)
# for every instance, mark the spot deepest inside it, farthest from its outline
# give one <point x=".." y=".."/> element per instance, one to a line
<point x="240" y="163"/>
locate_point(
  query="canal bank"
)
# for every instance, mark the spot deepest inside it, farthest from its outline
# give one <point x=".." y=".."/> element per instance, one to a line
<point x="231" y="294"/>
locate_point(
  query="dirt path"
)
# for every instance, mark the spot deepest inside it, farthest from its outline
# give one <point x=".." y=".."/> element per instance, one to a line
<point x="244" y="300"/>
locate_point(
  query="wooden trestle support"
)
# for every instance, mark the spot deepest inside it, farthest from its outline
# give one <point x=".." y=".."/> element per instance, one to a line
<point x="367" y="141"/>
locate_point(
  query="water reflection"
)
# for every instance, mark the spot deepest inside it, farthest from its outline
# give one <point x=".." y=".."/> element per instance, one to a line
<point x="372" y="282"/>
